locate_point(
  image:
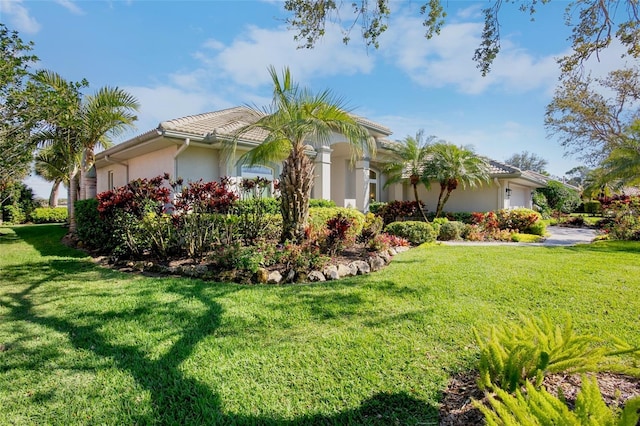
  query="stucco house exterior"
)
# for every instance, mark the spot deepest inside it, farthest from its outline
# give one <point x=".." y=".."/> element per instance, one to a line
<point x="192" y="148"/>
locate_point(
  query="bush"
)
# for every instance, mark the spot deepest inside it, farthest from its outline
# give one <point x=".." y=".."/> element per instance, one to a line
<point x="375" y="206"/>
<point x="90" y="229"/>
<point x="559" y="197"/>
<point x="318" y="217"/>
<point x="383" y="242"/>
<point x="264" y="205"/>
<point x="49" y="215"/>
<point x="400" y="210"/>
<point x="592" y="207"/>
<point x="624" y="220"/>
<point x="13" y="214"/>
<point x="518" y="220"/>
<point x="315" y="203"/>
<point x="451" y="231"/>
<point x="372" y="227"/>
<point x="538" y="228"/>
<point x="413" y="231"/>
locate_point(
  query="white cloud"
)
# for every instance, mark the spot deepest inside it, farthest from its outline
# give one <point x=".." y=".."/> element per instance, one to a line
<point x="70" y="6"/>
<point x="446" y="60"/>
<point x="19" y="16"/>
<point x="213" y="44"/>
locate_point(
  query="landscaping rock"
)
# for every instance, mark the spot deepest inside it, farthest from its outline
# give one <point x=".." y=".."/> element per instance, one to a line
<point x="262" y="276"/>
<point x="347" y="270"/>
<point x="362" y="266"/>
<point x="291" y="276"/>
<point x="275" y="277"/>
<point x="385" y="256"/>
<point x="331" y="272"/>
<point x="316" y="276"/>
<point x="392" y="251"/>
<point x="376" y="263"/>
<point x="401" y="249"/>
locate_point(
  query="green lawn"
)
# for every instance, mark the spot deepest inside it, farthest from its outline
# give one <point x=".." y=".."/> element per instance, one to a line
<point x="87" y="345"/>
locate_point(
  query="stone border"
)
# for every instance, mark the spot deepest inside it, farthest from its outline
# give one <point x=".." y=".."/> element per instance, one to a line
<point x="332" y="272"/>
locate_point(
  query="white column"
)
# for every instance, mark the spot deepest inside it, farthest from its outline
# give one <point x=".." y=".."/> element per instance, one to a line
<point x="322" y="182"/>
<point x="362" y="184"/>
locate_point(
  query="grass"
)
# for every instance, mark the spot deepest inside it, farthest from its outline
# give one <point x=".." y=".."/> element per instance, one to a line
<point x="87" y="345"/>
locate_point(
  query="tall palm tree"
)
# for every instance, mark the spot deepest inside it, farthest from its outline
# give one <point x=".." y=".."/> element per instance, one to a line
<point x="80" y="124"/>
<point x="297" y="118"/>
<point x="453" y="166"/>
<point x="407" y="164"/>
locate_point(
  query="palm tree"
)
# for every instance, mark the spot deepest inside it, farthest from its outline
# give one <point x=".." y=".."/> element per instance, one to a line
<point x="297" y="118"/>
<point x="80" y="125"/>
<point x="407" y="164"/>
<point x="453" y="166"/>
<point x="52" y="164"/>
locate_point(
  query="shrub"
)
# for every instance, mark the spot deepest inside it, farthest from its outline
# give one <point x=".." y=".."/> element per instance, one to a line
<point x="624" y="220"/>
<point x="539" y="407"/>
<point x="49" y="215"/>
<point x="375" y="206"/>
<point x="400" y="210"/>
<point x="592" y="207"/>
<point x="13" y="214"/>
<point x="315" y="203"/>
<point x="338" y="235"/>
<point x="451" y="231"/>
<point x="538" y="228"/>
<point x="385" y="241"/>
<point x="372" y="227"/>
<point x="512" y="354"/>
<point x="205" y="197"/>
<point x="559" y="197"/>
<point x="90" y="229"/>
<point x="318" y="217"/>
<point x="161" y="232"/>
<point x="413" y="231"/>
<point x="517" y="220"/>
<point x="264" y="205"/>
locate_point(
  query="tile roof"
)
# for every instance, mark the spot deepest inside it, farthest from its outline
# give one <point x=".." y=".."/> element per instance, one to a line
<point x="226" y="122"/>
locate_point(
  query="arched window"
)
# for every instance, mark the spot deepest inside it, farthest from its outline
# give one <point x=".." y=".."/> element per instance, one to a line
<point x="257" y="171"/>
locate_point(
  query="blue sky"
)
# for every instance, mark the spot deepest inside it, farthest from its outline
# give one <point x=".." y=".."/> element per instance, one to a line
<point x="187" y="57"/>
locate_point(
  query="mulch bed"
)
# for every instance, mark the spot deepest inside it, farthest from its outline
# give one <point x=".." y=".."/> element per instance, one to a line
<point x="456" y="408"/>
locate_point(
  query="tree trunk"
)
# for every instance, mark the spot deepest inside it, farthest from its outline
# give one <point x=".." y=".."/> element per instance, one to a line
<point x="296" y="182"/>
<point x="53" y="197"/>
<point x="440" y="200"/>
<point x="415" y="194"/>
<point x="72" y="196"/>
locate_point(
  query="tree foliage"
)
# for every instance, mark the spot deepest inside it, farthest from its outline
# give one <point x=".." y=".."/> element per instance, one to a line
<point x="407" y="163"/>
<point x="16" y="107"/>
<point x="296" y="118"/>
<point x="453" y="166"/>
<point x="595" y="24"/>
<point x="591" y="116"/>
<point x="527" y="161"/>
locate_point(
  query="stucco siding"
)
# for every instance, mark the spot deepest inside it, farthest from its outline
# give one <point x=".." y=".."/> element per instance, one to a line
<point x="153" y="164"/>
<point x="119" y="173"/>
<point x="480" y="199"/>
<point x="196" y="163"/>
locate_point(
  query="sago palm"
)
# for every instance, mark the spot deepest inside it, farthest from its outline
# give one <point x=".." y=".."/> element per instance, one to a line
<point x="453" y="166"/>
<point x="297" y="118"/>
<point x="407" y="164"/>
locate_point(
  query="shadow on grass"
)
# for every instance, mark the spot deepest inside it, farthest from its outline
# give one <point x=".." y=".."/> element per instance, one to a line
<point x="46" y="239"/>
<point x="175" y="397"/>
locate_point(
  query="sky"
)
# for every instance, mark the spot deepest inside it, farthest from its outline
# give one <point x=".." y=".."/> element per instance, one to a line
<point x="188" y="57"/>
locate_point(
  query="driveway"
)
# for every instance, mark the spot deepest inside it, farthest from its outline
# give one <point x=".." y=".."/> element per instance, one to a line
<point x="558" y="236"/>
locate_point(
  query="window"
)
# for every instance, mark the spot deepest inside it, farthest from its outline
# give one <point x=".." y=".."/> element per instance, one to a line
<point x="373" y="186"/>
<point x="256" y="171"/>
<point x="110" y="185"/>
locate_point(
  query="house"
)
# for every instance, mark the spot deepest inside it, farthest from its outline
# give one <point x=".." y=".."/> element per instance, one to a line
<point x="192" y="148"/>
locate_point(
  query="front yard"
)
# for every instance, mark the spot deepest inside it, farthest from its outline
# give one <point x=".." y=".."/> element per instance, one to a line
<point x="80" y="344"/>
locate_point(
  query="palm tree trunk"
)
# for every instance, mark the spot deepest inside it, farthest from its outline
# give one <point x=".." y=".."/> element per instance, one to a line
<point x="71" y="200"/>
<point x="415" y="194"/>
<point x="296" y="182"/>
<point x="87" y="184"/>
<point x="53" y="196"/>
<point x="440" y="200"/>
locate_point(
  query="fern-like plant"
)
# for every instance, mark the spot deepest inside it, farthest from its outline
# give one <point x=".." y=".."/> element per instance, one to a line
<point x="538" y="407"/>
<point x="511" y="354"/>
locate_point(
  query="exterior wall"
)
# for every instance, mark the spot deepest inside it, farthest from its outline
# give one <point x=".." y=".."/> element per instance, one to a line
<point x="196" y="163"/>
<point x="119" y="177"/>
<point x="480" y="199"/>
<point x="520" y="196"/>
<point x="153" y="164"/>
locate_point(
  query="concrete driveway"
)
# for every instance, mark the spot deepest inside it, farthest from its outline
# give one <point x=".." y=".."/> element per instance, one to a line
<point x="558" y="236"/>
